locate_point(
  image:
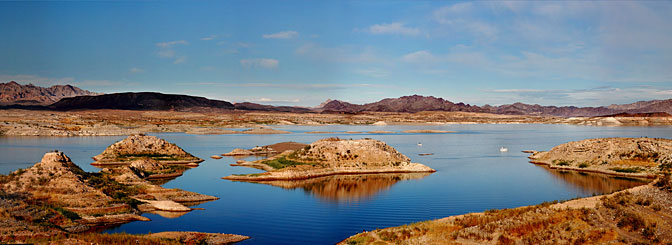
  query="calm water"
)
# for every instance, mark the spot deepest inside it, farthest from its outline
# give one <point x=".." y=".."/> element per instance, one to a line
<point x="472" y="176"/>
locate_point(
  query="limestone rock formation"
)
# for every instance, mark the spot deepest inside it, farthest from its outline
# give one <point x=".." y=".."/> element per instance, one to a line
<point x="140" y="146"/>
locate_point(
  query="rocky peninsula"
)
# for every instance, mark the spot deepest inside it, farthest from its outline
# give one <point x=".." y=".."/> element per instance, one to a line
<point x="332" y="156"/>
<point x="632" y="157"/>
<point x="267" y="149"/>
<point x="140" y="146"/>
<point x="55" y="196"/>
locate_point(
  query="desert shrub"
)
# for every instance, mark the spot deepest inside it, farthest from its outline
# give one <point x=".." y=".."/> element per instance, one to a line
<point x="627" y="170"/>
<point x="67" y="213"/>
<point x="631" y="220"/>
<point x="561" y="162"/>
<point x="584" y="165"/>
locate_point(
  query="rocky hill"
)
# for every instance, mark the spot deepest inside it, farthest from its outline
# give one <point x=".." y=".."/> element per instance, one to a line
<point x="141" y="101"/>
<point x="414" y="103"/>
<point x="617" y="156"/>
<point x="333" y="156"/>
<point x="135" y="147"/>
<point x="12" y="93"/>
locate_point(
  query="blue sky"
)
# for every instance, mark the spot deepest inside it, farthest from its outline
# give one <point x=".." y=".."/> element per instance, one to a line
<point x="303" y="52"/>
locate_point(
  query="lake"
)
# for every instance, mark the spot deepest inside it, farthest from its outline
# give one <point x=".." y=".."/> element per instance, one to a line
<point x="472" y="176"/>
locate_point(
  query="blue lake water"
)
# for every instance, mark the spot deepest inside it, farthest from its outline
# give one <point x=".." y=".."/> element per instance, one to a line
<point x="472" y="176"/>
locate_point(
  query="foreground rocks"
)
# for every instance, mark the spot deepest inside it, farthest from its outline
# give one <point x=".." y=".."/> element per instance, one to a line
<point x="641" y="215"/>
<point x="332" y="156"/>
<point x="55" y="196"/>
<point x="634" y="157"/>
<point x="142" y="146"/>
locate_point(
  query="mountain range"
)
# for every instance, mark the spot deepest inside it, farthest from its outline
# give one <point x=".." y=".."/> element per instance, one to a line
<point x="67" y="97"/>
<point x="12" y="93"/>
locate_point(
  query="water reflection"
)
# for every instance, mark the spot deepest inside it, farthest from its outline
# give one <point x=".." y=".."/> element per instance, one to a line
<point x="345" y="187"/>
<point x="594" y="182"/>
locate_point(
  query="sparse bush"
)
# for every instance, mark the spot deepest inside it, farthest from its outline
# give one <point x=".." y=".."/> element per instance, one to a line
<point x="584" y="165"/>
<point x="632" y="220"/>
<point x="627" y="170"/>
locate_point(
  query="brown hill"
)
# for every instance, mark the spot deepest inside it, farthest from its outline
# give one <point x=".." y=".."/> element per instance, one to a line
<point x="12" y="93"/>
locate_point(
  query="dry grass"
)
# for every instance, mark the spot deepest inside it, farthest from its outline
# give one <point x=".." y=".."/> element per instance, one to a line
<point x="631" y="162"/>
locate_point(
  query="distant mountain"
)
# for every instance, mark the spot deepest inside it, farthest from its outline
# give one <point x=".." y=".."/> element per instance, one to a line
<point x="417" y="103"/>
<point x="247" y="106"/>
<point x="414" y="103"/>
<point x="12" y="93"/>
<point x="141" y="101"/>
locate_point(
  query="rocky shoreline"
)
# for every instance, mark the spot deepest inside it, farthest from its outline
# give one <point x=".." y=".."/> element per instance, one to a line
<point x="19" y="122"/>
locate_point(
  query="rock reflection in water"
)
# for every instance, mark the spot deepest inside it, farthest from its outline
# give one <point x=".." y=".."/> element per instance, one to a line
<point x="345" y="187"/>
<point x="595" y="183"/>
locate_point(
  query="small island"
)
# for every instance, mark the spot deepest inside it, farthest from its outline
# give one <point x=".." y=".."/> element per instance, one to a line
<point x="140" y="146"/>
<point x="332" y="156"/>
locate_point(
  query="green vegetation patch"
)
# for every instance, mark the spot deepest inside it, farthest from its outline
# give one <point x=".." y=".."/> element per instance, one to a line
<point x="158" y="157"/>
<point x="119" y="192"/>
<point x="561" y="162"/>
<point x="283" y="162"/>
<point x="584" y="165"/>
<point x="627" y="170"/>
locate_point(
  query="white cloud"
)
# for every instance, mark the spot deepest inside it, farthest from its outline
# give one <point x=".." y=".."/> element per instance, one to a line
<point x="270" y="100"/>
<point x="422" y="56"/>
<point x="135" y="70"/>
<point x="260" y="63"/>
<point x="208" y="38"/>
<point x="396" y="28"/>
<point x="281" y="35"/>
<point x="180" y="60"/>
<point x="171" y="43"/>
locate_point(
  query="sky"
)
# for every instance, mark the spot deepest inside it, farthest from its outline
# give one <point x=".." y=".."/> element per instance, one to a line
<point x="301" y="53"/>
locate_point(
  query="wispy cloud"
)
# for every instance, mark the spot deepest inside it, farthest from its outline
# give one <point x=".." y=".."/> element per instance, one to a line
<point x="396" y="28"/>
<point x="209" y="38"/>
<point x="135" y="70"/>
<point x="281" y="35"/>
<point x="171" y="43"/>
<point x="265" y="63"/>
<point x="272" y="100"/>
<point x="166" y="50"/>
<point x="597" y="96"/>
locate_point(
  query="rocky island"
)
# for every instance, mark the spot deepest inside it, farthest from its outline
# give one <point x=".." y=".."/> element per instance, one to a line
<point x="332" y="156"/>
<point x="55" y="196"/>
<point x="266" y="149"/>
<point x="632" y="157"/>
<point x="140" y="146"/>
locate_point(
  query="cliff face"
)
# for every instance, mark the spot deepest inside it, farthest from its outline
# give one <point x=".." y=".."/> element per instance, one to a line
<point x="13" y="93"/>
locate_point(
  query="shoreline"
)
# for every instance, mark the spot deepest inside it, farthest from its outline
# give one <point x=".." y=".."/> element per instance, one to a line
<point x="597" y="171"/>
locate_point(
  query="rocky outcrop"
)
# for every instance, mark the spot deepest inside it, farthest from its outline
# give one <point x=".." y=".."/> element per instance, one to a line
<point x="142" y="146"/>
<point x="639" y="157"/>
<point x="13" y="93"/>
<point x="267" y="149"/>
<point x="333" y="156"/>
<point x="58" y="193"/>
